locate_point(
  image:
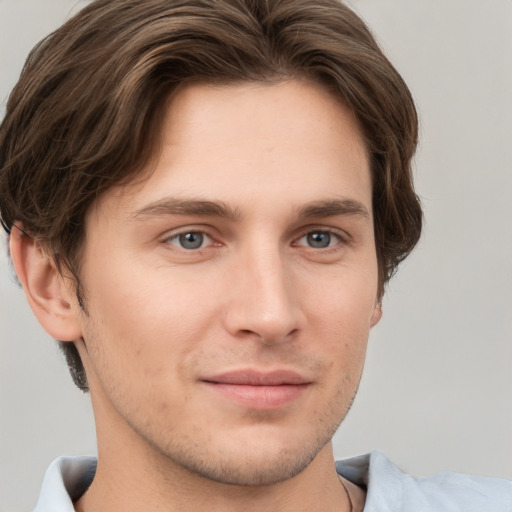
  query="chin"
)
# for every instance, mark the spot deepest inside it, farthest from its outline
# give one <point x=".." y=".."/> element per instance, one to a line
<point x="258" y="460"/>
<point x="252" y="471"/>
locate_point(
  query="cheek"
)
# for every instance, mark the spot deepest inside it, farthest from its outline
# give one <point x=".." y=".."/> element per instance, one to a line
<point x="340" y="313"/>
<point x="343" y="301"/>
<point x="146" y="321"/>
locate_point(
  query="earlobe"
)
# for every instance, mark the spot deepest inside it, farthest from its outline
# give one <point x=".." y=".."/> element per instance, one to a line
<point x="376" y="315"/>
<point x="47" y="291"/>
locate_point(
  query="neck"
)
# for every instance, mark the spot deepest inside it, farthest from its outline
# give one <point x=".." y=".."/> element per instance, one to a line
<point x="134" y="475"/>
<point x="130" y="480"/>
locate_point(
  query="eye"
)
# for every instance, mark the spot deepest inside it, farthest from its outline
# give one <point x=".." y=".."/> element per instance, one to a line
<point x="190" y="240"/>
<point x="319" y="239"/>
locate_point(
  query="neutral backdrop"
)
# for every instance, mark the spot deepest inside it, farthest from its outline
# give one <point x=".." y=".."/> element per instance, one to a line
<point x="436" y="392"/>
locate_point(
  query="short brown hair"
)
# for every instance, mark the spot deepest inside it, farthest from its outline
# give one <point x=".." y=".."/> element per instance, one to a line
<point x="86" y="111"/>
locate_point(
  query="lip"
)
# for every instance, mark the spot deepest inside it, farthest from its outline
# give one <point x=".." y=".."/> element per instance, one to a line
<point x="259" y="390"/>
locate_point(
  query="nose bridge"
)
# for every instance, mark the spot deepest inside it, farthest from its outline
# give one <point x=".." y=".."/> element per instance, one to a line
<point x="264" y="302"/>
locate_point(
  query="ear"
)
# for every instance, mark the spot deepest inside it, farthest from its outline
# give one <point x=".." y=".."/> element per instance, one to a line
<point x="376" y="315"/>
<point x="49" y="294"/>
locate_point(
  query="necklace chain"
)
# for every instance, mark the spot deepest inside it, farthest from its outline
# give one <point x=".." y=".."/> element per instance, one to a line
<point x="348" y="495"/>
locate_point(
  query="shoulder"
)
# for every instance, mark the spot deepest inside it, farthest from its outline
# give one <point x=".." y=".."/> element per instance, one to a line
<point x="390" y="489"/>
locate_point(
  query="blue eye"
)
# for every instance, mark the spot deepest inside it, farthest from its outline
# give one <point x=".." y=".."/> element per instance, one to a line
<point x="319" y="239"/>
<point x="189" y="241"/>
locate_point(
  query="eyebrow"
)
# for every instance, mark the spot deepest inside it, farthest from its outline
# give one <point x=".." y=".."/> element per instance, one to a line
<point x="175" y="206"/>
<point x="332" y="208"/>
<point x="199" y="207"/>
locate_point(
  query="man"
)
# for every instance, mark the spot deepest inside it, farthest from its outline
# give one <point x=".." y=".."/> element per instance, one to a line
<point x="205" y="201"/>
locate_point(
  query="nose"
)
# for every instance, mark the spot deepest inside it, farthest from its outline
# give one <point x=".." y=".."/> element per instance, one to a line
<point x="264" y="301"/>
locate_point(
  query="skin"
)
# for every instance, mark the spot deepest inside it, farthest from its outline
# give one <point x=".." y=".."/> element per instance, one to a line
<point x="284" y="279"/>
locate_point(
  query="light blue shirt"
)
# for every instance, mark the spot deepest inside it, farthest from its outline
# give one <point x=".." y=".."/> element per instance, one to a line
<point x="388" y="488"/>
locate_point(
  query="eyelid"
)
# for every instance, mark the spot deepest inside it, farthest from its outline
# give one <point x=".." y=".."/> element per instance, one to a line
<point x="177" y="236"/>
<point x="341" y="235"/>
<point x="183" y="230"/>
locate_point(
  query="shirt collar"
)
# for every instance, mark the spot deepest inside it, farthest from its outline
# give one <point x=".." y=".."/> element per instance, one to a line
<point x="66" y="480"/>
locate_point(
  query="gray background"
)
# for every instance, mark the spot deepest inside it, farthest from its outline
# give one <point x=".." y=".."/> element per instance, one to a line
<point x="436" y="390"/>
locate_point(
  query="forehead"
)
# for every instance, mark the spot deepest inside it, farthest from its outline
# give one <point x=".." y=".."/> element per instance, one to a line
<point x="290" y="142"/>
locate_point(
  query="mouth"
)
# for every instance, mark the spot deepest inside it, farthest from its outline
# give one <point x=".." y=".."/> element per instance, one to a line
<point x="259" y="390"/>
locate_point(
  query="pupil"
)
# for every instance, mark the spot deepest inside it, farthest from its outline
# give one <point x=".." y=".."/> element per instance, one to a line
<point x="319" y="240"/>
<point x="191" y="240"/>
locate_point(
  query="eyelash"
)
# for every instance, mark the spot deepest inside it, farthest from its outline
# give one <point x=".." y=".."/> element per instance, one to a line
<point x="331" y="234"/>
<point x="178" y="236"/>
<point x="339" y="239"/>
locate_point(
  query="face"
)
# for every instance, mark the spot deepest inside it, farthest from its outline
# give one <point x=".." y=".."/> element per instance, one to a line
<point x="231" y="293"/>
